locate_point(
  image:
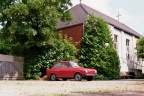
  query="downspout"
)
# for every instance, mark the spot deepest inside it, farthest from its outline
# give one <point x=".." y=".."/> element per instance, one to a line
<point x="83" y="29"/>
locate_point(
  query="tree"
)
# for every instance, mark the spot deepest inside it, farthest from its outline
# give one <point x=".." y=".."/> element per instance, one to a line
<point x="45" y="56"/>
<point x="29" y="29"/>
<point x="140" y="47"/>
<point x="4" y="49"/>
<point x="29" y="23"/>
<point x="94" y="53"/>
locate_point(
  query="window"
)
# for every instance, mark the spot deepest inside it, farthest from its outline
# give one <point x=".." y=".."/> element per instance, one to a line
<point x="127" y="49"/>
<point x="127" y="56"/>
<point x="116" y="41"/>
<point x="66" y="65"/>
<point x="127" y="42"/>
<point x="74" y="64"/>
<point x="58" y="65"/>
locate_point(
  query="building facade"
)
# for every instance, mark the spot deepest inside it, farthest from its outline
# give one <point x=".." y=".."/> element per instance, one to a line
<point x="125" y="45"/>
<point x="124" y="37"/>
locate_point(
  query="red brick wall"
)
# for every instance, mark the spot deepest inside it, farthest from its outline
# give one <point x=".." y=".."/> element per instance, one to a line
<point x="75" y="32"/>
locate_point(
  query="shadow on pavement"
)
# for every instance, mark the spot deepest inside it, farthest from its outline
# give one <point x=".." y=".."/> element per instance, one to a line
<point x="131" y="79"/>
<point x="127" y="93"/>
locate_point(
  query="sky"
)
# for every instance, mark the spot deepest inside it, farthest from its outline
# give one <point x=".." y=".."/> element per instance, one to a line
<point x="131" y="11"/>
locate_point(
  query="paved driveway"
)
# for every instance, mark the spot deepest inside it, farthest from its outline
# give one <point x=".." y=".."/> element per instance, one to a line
<point x="72" y="88"/>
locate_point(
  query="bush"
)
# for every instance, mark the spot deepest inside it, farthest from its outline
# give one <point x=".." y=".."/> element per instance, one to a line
<point x="94" y="53"/>
<point x="100" y="77"/>
<point x="44" y="57"/>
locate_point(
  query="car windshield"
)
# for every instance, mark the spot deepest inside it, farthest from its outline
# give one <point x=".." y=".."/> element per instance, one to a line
<point x="74" y="64"/>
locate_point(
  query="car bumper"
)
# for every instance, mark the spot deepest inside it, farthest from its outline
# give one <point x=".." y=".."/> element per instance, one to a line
<point x="89" y="75"/>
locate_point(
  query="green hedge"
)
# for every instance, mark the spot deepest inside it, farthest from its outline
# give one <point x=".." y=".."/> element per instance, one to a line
<point x="94" y="53"/>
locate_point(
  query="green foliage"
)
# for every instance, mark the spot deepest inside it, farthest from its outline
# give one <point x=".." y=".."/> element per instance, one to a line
<point x="4" y="49"/>
<point x="29" y="28"/>
<point x="30" y="23"/>
<point x="100" y="77"/>
<point x="94" y="53"/>
<point x="44" y="57"/>
<point x="140" y="47"/>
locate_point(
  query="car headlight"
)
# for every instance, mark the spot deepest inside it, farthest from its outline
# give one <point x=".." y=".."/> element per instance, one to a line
<point x="86" y="70"/>
<point x="95" y="71"/>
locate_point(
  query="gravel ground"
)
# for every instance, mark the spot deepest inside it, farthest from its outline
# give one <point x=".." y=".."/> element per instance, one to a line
<point x="72" y="88"/>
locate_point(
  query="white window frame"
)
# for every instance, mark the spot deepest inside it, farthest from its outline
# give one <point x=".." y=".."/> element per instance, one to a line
<point x="127" y="49"/>
<point x="116" y="42"/>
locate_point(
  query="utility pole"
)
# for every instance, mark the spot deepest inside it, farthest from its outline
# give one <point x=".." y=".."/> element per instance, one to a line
<point x="118" y="16"/>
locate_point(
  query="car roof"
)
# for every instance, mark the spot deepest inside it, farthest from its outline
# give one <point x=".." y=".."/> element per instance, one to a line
<point x="61" y="62"/>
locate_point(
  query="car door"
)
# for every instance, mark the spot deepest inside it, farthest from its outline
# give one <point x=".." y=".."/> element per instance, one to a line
<point x="56" y="69"/>
<point x="66" y="70"/>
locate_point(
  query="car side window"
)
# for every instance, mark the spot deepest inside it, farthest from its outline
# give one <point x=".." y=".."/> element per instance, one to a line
<point x="58" y="65"/>
<point x="66" y="65"/>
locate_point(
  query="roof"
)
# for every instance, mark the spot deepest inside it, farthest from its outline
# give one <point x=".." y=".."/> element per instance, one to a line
<point x="80" y="13"/>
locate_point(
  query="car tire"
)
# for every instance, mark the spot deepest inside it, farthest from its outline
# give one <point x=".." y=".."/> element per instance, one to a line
<point x="89" y="78"/>
<point x="53" y="77"/>
<point x="78" y="77"/>
<point x="64" y="79"/>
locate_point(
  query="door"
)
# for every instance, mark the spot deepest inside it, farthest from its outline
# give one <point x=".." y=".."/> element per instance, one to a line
<point x="66" y="70"/>
<point x="56" y="69"/>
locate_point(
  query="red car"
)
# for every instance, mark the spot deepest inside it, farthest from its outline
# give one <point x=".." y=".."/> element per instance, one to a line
<point x="69" y="70"/>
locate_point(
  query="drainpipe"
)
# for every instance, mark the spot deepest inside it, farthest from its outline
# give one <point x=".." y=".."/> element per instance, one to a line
<point x="83" y="29"/>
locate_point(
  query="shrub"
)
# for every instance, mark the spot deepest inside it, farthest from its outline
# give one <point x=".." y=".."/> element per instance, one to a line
<point x="94" y="53"/>
<point x="44" y="57"/>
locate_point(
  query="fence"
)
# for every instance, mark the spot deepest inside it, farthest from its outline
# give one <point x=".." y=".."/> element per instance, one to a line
<point x="132" y="64"/>
<point x="11" y="67"/>
<point x="135" y="65"/>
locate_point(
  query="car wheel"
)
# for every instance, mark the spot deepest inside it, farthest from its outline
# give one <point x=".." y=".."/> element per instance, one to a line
<point x="53" y="77"/>
<point x="78" y="77"/>
<point x="89" y="78"/>
<point x="64" y="79"/>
